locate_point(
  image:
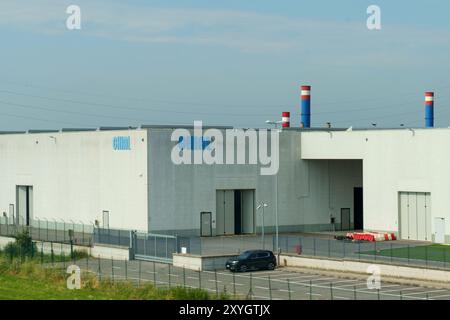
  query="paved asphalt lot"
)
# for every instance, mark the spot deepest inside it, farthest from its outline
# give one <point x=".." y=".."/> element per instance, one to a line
<point x="278" y="284"/>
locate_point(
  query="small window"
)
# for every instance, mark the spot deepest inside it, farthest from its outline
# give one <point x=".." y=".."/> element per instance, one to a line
<point x="253" y="256"/>
<point x="263" y="254"/>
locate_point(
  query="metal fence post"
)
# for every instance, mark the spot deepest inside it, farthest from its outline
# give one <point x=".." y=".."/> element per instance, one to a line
<point x="343" y="249"/>
<point x="200" y="279"/>
<point x="184" y="277"/>
<point x="250" y="292"/>
<point x="375" y="249"/>
<point x="354" y="293"/>
<point x="139" y="276"/>
<point x="359" y="251"/>
<point x="310" y="289"/>
<point x="126" y="269"/>
<point x="331" y="290"/>
<point x="52" y="253"/>
<point x="154" y="274"/>
<point x="314" y="246"/>
<point x="378" y="293"/>
<point x="445" y="257"/>
<point x="329" y="248"/>
<point x="215" y="279"/>
<point x="42" y="253"/>
<point x="234" y="285"/>
<point x="270" y="288"/>
<point x="169" y="276"/>
<point x="63" y="258"/>
<point x="289" y="288"/>
<point x="408" y="254"/>
<point x="426" y="256"/>
<point x="99" y="270"/>
<point x="391" y="251"/>
<point x="112" y="269"/>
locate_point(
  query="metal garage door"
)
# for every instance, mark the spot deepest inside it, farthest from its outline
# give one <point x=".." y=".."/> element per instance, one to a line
<point x="224" y="212"/>
<point x="415" y="215"/>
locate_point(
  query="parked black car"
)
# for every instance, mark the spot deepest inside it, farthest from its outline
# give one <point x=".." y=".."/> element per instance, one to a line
<point x="252" y="260"/>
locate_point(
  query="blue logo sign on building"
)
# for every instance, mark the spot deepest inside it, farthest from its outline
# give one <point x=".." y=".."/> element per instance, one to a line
<point x="194" y="143"/>
<point x="121" y="143"/>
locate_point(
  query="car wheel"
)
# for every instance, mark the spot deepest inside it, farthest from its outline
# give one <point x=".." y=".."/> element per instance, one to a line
<point x="271" y="266"/>
<point x="243" y="268"/>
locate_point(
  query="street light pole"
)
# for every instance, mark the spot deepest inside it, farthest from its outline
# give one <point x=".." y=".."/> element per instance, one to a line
<point x="276" y="213"/>
<point x="262" y="205"/>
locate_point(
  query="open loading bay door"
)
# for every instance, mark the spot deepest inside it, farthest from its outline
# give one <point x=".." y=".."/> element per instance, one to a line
<point x="235" y="212"/>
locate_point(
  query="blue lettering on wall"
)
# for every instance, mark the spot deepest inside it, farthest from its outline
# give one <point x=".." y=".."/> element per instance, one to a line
<point x="121" y="143"/>
<point x="194" y="143"/>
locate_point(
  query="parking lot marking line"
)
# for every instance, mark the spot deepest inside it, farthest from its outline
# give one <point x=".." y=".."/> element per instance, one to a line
<point x="116" y="267"/>
<point x="324" y="279"/>
<point x="425" y="292"/>
<point x="260" y="297"/>
<point x="284" y="274"/>
<point x="390" y="286"/>
<point x="440" y="296"/>
<point x="297" y="277"/>
<point x="263" y="288"/>
<point x="193" y="278"/>
<point x="314" y="280"/>
<point x="284" y="290"/>
<point x="212" y="280"/>
<point x="344" y="281"/>
<point x="364" y="284"/>
<point x="343" y="298"/>
<point x="313" y="294"/>
<point x="150" y="272"/>
<point x="403" y="289"/>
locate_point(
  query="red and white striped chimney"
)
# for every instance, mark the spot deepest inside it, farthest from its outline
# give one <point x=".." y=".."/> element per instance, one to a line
<point x="285" y="119"/>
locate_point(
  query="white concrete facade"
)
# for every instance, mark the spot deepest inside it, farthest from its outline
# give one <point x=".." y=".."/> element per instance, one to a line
<point x="77" y="175"/>
<point x="394" y="161"/>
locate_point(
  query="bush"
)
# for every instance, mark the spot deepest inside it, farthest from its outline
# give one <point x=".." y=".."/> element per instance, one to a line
<point x="23" y="247"/>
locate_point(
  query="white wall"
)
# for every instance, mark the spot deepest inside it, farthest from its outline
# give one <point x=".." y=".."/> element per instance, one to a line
<point x="308" y="191"/>
<point x="76" y="175"/>
<point x="393" y="161"/>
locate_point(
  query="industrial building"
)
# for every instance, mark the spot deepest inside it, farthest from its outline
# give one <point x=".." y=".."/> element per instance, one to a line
<point x="394" y="180"/>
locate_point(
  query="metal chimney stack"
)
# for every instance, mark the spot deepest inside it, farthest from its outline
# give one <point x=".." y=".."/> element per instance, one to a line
<point x="305" y="121"/>
<point x="429" y="109"/>
<point x="285" y="119"/>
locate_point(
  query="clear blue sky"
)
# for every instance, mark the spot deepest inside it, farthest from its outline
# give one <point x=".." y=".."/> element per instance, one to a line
<point x="225" y="62"/>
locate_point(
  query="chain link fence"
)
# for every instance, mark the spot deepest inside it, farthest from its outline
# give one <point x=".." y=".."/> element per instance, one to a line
<point x="49" y="230"/>
<point x="406" y="253"/>
<point x="248" y="286"/>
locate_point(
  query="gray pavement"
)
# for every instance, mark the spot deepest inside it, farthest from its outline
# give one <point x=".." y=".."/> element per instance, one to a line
<point x="280" y="284"/>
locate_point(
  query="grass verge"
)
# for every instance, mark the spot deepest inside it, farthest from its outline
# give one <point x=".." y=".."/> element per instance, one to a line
<point x="434" y="252"/>
<point x="31" y="281"/>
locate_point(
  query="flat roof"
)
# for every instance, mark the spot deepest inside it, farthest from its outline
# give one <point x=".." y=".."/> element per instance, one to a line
<point x="168" y="126"/>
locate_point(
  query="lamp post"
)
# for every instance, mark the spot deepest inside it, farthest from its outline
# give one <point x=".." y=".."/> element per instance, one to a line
<point x="275" y="123"/>
<point x="262" y="205"/>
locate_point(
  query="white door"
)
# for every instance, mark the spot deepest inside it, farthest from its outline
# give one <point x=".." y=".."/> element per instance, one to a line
<point x="439" y="230"/>
<point x="105" y="219"/>
<point x="421" y="217"/>
<point x="412" y="216"/>
<point x="404" y="221"/>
